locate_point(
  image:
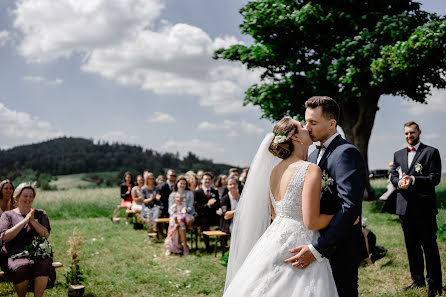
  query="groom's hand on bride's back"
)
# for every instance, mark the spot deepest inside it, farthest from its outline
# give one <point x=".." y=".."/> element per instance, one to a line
<point x="303" y="258"/>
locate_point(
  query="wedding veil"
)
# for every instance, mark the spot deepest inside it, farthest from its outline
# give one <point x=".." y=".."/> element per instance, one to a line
<point x="253" y="214"/>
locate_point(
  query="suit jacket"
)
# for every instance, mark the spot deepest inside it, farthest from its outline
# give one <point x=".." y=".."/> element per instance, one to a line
<point x="419" y="200"/>
<point x="164" y="191"/>
<point x="225" y="206"/>
<point x="343" y="163"/>
<point x="201" y="205"/>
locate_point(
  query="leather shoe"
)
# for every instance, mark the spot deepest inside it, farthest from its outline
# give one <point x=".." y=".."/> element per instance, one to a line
<point x="414" y="285"/>
<point x="433" y="291"/>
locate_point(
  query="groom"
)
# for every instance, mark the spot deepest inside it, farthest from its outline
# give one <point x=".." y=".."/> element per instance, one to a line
<point x="343" y="184"/>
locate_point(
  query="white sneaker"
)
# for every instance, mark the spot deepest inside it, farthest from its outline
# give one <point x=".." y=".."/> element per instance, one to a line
<point x="168" y="253"/>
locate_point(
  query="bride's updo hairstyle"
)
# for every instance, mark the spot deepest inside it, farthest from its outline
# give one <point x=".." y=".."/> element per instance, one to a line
<point x="286" y="127"/>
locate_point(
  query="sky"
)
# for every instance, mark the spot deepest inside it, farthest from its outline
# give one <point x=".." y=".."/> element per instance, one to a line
<point x="141" y="72"/>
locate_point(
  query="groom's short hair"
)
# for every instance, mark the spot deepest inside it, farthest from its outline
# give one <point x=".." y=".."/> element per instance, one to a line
<point x="330" y="108"/>
<point x="412" y="123"/>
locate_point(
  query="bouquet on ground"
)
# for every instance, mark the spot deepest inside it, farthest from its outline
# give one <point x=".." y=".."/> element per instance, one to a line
<point x="39" y="249"/>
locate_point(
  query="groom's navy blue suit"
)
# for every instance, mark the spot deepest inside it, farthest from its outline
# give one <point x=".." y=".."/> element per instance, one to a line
<point x="340" y="241"/>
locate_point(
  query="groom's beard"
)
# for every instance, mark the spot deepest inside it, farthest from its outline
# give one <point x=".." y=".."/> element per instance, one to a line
<point x="413" y="141"/>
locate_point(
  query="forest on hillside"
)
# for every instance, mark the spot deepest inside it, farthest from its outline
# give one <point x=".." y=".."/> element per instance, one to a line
<point x="69" y="155"/>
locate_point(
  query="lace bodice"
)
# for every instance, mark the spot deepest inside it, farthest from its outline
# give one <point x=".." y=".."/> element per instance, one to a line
<point x="290" y="206"/>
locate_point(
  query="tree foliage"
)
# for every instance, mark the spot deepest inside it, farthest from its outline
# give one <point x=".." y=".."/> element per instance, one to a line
<point x="353" y="51"/>
<point x="69" y="155"/>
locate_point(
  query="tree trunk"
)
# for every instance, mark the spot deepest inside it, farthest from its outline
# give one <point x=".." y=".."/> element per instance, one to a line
<point x="357" y="123"/>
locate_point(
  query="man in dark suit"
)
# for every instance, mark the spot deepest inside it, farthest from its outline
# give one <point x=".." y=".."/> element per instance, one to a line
<point x="164" y="190"/>
<point x="342" y="191"/>
<point x="420" y="172"/>
<point x="206" y="203"/>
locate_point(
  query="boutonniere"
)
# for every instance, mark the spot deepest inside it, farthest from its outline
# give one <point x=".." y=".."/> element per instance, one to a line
<point x="212" y="195"/>
<point x="418" y="168"/>
<point x="327" y="181"/>
<point x="279" y="138"/>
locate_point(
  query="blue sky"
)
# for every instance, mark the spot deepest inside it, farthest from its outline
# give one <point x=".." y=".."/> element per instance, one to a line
<point x="140" y="71"/>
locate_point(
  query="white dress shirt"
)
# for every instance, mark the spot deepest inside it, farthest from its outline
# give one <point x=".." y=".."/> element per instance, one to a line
<point x="315" y="253"/>
<point x="410" y="157"/>
<point x="411" y="154"/>
<point x="324" y="147"/>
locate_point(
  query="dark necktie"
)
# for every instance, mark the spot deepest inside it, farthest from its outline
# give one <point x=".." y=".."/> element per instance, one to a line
<point x="411" y="149"/>
<point x="319" y="147"/>
<point x="207" y="193"/>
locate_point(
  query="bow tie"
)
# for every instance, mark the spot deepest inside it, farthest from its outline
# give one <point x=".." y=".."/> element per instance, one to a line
<point x="411" y="149"/>
<point x="320" y="147"/>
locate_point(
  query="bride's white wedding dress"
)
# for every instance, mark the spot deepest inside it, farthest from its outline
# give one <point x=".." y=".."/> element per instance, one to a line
<point x="263" y="273"/>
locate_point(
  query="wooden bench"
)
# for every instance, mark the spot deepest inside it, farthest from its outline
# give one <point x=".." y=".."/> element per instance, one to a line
<point x="218" y="238"/>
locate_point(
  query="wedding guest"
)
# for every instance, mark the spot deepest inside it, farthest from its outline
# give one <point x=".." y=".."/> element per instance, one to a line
<point x="160" y="180"/>
<point x="187" y="196"/>
<point x="234" y="172"/>
<point x="126" y="193"/>
<point x="220" y="184"/>
<point x="165" y="190"/>
<point x="192" y="181"/>
<point x="145" y="173"/>
<point x="136" y="195"/>
<point x="200" y="174"/>
<point x="151" y="202"/>
<point x="389" y="197"/>
<point x="244" y="176"/>
<point x="179" y="218"/>
<point x="417" y="207"/>
<point x="229" y="204"/>
<point x="18" y="227"/>
<point x="207" y="203"/>
<point x="6" y="200"/>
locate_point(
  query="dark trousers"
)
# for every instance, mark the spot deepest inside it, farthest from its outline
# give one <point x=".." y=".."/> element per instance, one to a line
<point x="420" y="234"/>
<point x="345" y="275"/>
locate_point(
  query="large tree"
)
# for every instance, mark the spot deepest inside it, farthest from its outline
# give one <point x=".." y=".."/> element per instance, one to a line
<point x="353" y="51"/>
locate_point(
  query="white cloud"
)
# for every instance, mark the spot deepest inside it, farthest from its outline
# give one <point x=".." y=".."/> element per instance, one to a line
<point x="436" y="103"/>
<point x="16" y="124"/>
<point x="41" y="79"/>
<point x="197" y="146"/>
<point x="4" y="37"/>
<point x="431" y="136"/>
<point x="231" y="127"/>
<point x="118" y="136"/>
<point x="126" y="42"/>
<point x="161" y="117"/>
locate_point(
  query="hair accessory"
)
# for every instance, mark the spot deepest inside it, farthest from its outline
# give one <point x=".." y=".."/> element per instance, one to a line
<point x="279" y="138"/>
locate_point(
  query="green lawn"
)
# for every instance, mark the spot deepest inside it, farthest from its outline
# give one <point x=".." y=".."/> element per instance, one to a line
<point x="120" y="261"/>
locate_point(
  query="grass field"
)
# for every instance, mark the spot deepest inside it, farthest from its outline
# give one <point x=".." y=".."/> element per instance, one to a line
<point x="120" y="261"/>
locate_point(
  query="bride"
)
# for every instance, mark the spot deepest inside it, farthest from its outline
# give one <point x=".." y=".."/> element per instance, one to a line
<point x="289" y="193"/>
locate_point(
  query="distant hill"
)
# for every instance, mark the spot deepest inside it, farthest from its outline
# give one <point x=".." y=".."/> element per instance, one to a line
<point x="69" y="155"/>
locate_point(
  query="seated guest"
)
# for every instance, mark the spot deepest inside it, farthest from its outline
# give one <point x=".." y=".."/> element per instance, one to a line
<point x="181" y="187"/>
<point x="200" y="176"/>
<point x="160" y="180"/>
<point x="18" y="227"/>
<point x="244" y="176"/>
<point x="126" y="193"/>
<point x="151" y="202"/>
<point x="192" y="181"/>
<point x="136" y="195"/>
<point x="164" y="190"/>
<point x="220" y="184"/>
<point x="179" y="219"/>
<point x="207" y="203"/>
<point x="6" y="200"/>
<point x="228" y="205"/>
